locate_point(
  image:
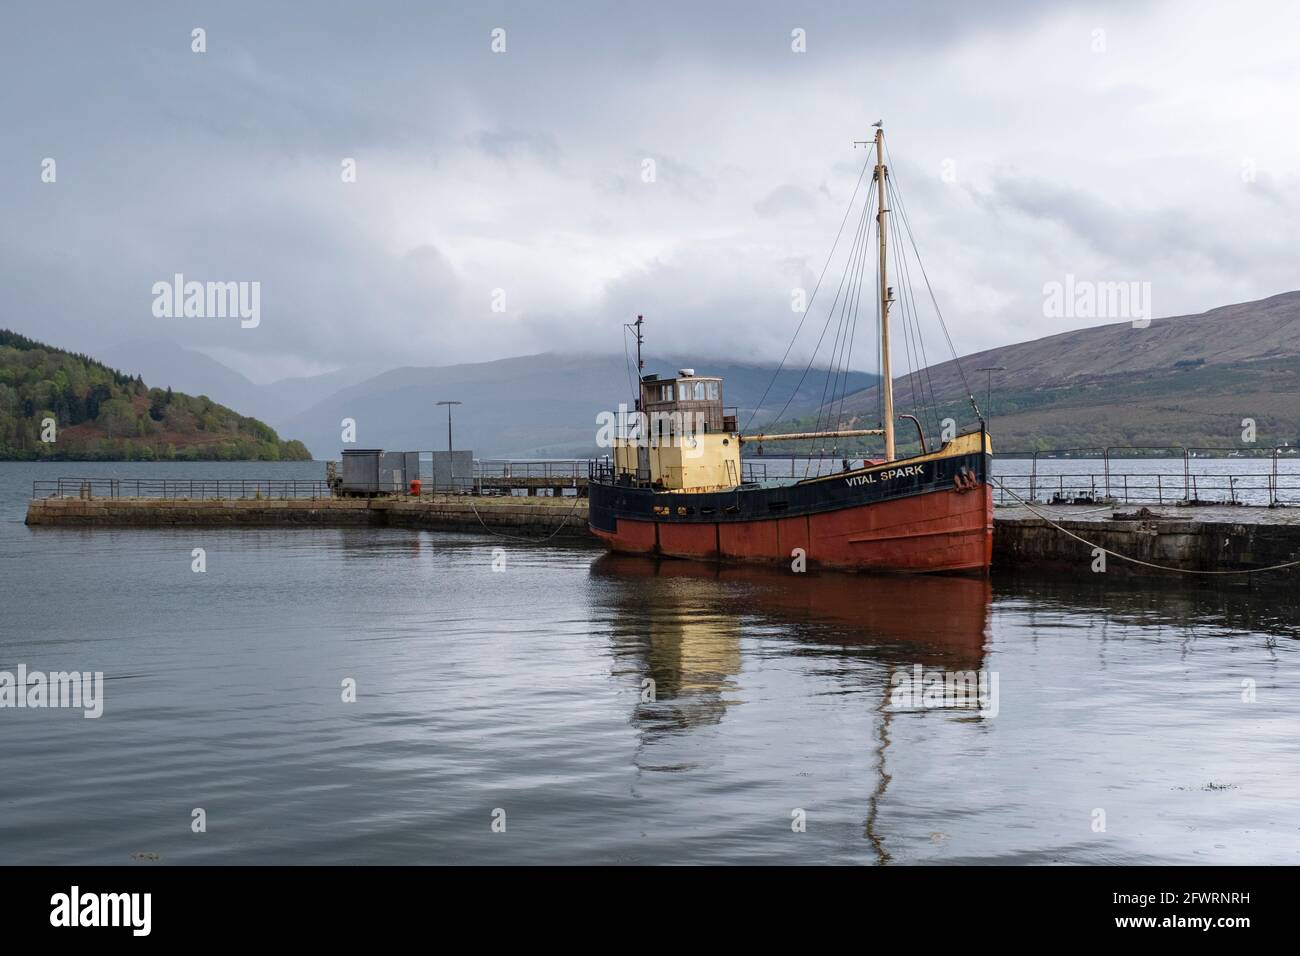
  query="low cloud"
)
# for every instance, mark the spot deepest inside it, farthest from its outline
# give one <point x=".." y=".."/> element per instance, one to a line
<point x="501" y="203"/>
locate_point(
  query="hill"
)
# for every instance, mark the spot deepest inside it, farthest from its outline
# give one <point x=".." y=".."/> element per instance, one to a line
<point x="165" y="364"/>
<point x="101" y="413"/>
<point x="1183" y="380"/>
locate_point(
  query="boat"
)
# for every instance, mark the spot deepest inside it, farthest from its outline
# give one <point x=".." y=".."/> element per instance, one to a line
<point x="675" y="484"/>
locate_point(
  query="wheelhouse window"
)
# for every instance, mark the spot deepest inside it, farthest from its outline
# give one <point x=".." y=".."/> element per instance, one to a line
<point x="699" y="391"/>
<point x="713" y="391"/>
<point x="684" y="391"/>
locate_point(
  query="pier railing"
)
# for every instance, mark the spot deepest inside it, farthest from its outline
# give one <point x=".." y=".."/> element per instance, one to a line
<point x="538" y="475"/>
<point x="1269" y="477"/>
<point x="554" y="470"/>
<point x="181" y="488"/>
<point x="490" y="476"/>
<point x="1187" y="477"/>
<point x="1148" y="488"/>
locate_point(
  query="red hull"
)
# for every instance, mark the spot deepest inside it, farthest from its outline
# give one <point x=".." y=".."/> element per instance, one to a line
<point x="946" y="530"/>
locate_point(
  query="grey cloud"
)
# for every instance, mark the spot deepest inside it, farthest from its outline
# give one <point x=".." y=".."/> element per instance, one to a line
<point x="785" y="200"/>
<point x="1134" y="236"/>
<point x="1283" y="192"/>
<point x="523" y="169"/>
<point x="513" y="143"/>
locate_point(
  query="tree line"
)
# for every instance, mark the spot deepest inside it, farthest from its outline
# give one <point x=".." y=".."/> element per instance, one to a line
<point x="59" y="404"/>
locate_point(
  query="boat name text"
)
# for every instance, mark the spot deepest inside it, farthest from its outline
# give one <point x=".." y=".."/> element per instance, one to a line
<point x="889" y="474"/>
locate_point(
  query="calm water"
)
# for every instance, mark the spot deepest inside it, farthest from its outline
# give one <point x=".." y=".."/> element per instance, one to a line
<point x="524" y="690"/>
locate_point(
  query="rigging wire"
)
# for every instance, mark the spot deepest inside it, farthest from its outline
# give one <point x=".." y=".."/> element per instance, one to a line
<point x="938" y="312"/>
<point x="852" y="274"/>
<point x="900" y="276"/>
<point x="904" y="325"/>
<point x="855" y="252"/>
<point x="835" y="412"/>
<point x="835" y="389"/>
<point x="636" y="393"/>
<point x="847" y="356"/>
<point x="928" y="377"/>
<point x="853" y="330"/>
<point x="880" y="354"/>
<point x="913" y="336"/>
<point x="812" y="298"/>
<point x="821" y="338"/>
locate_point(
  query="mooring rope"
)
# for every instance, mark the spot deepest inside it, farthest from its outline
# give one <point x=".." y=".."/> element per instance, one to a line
<point x="524" y="537"/>
<point x="1125" y="557"/>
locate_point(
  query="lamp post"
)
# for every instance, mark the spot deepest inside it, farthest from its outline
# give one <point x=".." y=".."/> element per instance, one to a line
<point x="449" y="404"/>
<point x="988" y="404"/>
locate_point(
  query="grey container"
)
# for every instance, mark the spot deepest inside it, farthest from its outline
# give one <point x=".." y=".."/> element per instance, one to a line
<point x="453" y="471"/>
<point x="392" y="472"/>
<point x="361" y="471"/>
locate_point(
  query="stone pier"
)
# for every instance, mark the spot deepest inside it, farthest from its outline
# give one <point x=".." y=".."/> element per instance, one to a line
<point x="528" y="516"/>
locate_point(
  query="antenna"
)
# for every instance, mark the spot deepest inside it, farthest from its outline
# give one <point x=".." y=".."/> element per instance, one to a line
<point x="640" y="363"/>
<point x="878" y="124"/>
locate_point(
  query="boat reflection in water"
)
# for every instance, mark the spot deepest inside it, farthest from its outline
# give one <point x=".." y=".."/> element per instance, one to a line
<point x="683" y="630"/>
<point x="684" y="620"/>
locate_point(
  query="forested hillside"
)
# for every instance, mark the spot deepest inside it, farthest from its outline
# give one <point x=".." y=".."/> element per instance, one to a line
<point x="60" y="405"/>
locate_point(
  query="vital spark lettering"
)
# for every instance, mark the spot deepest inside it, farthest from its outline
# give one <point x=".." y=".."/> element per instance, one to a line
<point x="889" y="474"/>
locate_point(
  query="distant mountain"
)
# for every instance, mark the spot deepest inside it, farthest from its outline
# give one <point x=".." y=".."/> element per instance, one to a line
<point x="287" y="397"/>
<point x="534" y="406"/>
<point x="56" y="404"/>
<point x="166" y="364"/>
<point x="1185" y="380"/>
<point x="538" y="405"/>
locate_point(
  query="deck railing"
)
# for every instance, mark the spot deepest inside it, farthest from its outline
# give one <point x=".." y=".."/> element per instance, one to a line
<point x="603" y="469"/>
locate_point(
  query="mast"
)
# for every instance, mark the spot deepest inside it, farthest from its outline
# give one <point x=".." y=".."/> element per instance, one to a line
<point x="640" y="340"/>
<point x="886" y="375"/>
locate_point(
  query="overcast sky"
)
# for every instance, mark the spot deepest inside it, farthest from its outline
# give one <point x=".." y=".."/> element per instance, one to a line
<point x="1153" y="142"/>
